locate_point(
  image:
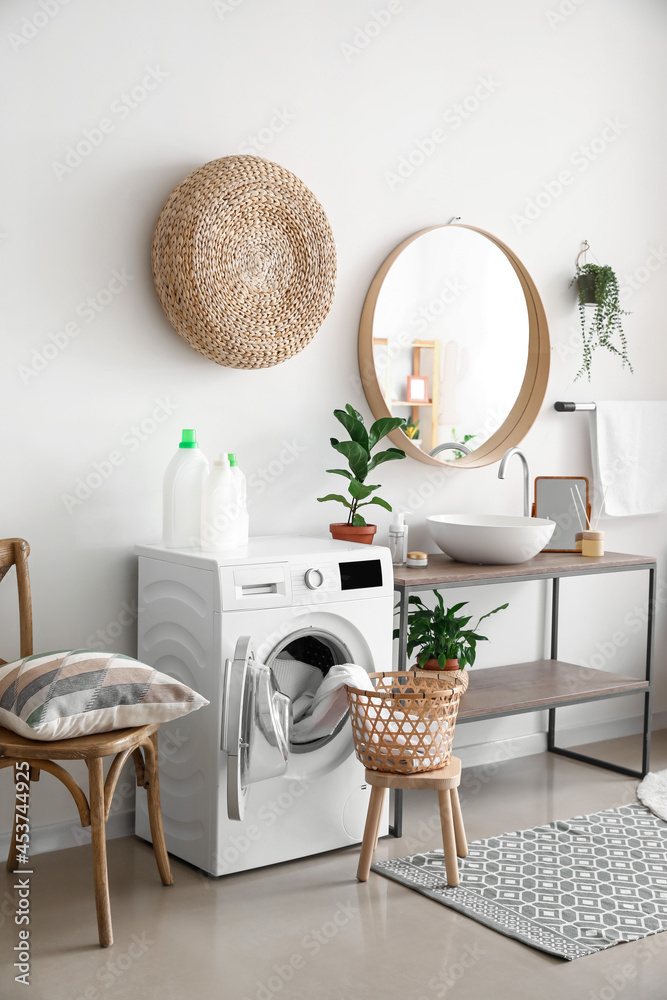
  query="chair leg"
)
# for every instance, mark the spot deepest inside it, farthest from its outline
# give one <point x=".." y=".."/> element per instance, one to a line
<point x="459" y="829"/>
<point x="448" y="838"/>
<point x="152" y="786"/>
<point x="98" y="835"/>
<point x="370" y="833"/>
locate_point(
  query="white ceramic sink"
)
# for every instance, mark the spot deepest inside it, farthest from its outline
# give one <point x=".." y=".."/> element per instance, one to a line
<point x="490" y="538"/>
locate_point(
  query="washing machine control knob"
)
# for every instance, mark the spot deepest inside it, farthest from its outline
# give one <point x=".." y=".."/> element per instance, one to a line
<point x="314" y="578"/>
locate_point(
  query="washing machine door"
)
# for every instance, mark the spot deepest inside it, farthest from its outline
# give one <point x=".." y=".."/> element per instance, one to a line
<point x="256" y="725"/>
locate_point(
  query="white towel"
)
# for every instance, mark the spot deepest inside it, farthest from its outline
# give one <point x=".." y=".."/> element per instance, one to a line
<point x="629" y="451"/>
<point x="299" y="681"/>
<point x="329" y="703"/>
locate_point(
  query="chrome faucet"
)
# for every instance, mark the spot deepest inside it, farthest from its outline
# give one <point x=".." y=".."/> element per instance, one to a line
<point x="453" y="445"/>
<point x="526" y="476"/>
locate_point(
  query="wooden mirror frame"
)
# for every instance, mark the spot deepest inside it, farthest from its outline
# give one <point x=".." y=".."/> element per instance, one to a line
<point x="531" y="394"/>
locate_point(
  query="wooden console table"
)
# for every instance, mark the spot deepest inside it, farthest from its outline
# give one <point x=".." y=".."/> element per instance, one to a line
<point x="543" y="684"/>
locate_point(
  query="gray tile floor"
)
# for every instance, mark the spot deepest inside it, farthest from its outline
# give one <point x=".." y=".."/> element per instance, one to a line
<point x="307" y="929"/>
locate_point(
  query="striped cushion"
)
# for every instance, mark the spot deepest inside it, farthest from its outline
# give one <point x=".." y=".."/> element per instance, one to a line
<point x="53" y="696"/>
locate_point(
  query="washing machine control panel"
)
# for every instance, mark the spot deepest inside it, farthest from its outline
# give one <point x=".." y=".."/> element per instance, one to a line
<point x="304" y="581"/>
<point x="337" y="580"/>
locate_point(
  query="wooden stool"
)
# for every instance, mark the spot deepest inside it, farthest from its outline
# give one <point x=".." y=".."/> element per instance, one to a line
<point x="445" y="782"/>
<point x="94" y="811"/>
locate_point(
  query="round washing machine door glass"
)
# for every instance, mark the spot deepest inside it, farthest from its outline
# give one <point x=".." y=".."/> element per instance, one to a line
<point x="256" y="725"/>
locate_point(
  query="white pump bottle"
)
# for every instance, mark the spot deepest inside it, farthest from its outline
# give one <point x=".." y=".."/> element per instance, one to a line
<point x="398" y="539"/>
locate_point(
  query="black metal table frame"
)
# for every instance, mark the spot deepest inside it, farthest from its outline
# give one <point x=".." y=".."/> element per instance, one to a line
<point x="404" y="590"/>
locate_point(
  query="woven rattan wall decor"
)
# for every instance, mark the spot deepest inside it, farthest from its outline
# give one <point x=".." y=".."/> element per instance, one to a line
<point x="244" y="262"/>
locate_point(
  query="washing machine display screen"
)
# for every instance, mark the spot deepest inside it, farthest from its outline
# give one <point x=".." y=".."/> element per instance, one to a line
<point x="360" y="575"/>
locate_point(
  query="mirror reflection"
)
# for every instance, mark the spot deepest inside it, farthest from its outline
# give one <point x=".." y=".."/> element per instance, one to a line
<point x="450" y="338"/>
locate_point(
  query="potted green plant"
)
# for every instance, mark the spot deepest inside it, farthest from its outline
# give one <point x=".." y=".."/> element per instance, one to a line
<point x="443" y="639"/>
<point x="357" y="451"/>
<point x="597" y="287"/>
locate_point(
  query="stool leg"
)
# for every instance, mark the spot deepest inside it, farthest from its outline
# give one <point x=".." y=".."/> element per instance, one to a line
<point x="459" y="829"/>
<point x="448" y="838"/>
<point x="98" y="836"/>
<point x="152" y="786"/>
<point x="370" y="833"/>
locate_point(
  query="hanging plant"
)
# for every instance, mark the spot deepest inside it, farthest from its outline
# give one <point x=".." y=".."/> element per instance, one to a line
<point x="598" y="287"/>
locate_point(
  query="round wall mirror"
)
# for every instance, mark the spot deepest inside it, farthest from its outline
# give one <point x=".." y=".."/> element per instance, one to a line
<point x="453" y="337"/>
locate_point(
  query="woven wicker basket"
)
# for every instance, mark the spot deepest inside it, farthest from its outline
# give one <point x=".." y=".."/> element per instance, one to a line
<point x="407" y="724"/>
<point x="244" y="262"/>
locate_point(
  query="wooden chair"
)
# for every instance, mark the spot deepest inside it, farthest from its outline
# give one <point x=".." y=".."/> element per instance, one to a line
<point x="445" y="782"/>
<point x="41" y="755"/>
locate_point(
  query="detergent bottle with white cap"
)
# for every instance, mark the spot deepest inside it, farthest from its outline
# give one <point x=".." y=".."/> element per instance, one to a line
<point x="219" y="509"/>
<point x="241" y="500"/>
<point x="182" y="493"/>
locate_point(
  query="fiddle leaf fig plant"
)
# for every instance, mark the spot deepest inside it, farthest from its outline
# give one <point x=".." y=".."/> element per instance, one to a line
<point x="598" y="287"/>
<point x="440" y="635"/>
<point x="357" y="451"/>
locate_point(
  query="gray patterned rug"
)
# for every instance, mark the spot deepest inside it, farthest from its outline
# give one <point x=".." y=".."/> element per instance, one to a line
<point x="568" y="888"/>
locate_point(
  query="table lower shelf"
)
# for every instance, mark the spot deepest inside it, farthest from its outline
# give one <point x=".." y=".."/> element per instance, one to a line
<point x="529" y="687"/>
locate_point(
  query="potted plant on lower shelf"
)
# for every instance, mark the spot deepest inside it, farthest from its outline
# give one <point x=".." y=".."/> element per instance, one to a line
<point x="444" y="641"/>
<point x="357" y="451"/>
<point x="598" y="289"/>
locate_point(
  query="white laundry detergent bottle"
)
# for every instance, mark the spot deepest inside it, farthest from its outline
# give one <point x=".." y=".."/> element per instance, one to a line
<point x="220" y="509"/>
<point x="241" y="499"/>
<point x="182" y="495"/>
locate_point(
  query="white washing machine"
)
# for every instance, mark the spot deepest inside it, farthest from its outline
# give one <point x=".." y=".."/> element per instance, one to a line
<point x="236" y="791"/>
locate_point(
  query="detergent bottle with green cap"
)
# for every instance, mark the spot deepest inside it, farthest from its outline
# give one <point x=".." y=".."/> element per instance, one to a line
<point x="182" y="495"/>
<point x="241" y="500"/>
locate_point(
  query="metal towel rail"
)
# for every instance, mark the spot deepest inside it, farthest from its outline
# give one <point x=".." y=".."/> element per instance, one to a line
<point x="571" y="407"/>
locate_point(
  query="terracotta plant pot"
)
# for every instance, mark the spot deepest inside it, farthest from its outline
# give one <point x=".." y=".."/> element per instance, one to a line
<point x="349" y="533"/>
<point x="434" y="665"/>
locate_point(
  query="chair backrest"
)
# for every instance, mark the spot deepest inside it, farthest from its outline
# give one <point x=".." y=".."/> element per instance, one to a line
<point x="15" y="552"/>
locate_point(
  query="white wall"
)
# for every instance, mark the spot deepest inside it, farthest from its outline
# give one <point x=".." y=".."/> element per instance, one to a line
<point x="221" y="72"/>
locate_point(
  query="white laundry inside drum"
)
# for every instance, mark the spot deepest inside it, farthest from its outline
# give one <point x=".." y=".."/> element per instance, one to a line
<point x="311" y="669"/>
<point x="298" y="680"/>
